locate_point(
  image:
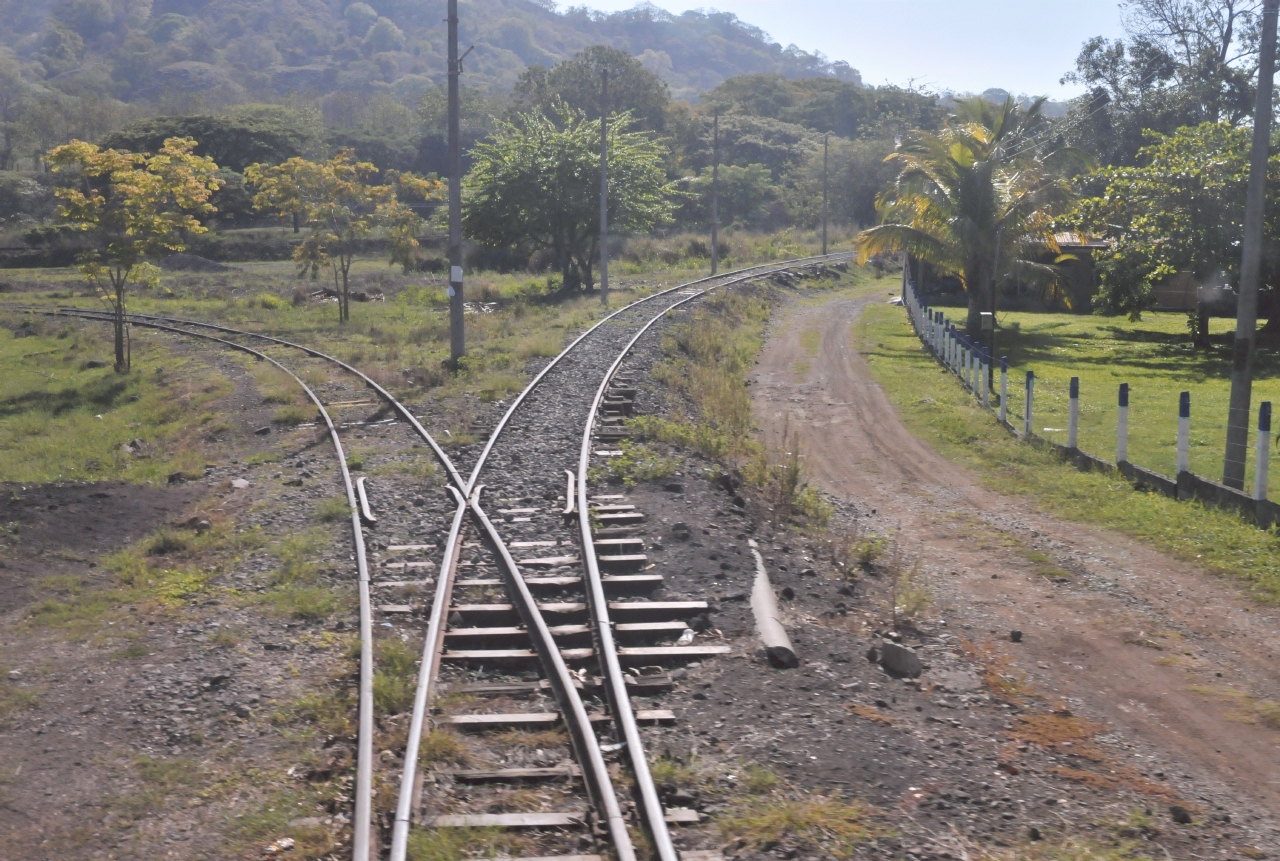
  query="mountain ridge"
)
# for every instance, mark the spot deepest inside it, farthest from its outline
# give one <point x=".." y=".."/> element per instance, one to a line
<point x="207" y="54"/>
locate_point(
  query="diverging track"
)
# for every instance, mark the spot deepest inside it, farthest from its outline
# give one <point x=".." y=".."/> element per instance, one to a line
<point x="522" y="675"/>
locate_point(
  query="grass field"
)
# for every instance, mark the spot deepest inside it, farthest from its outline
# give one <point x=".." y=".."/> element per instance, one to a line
<point x="54" y="389"/>
<point x="934" y="407"/>
<point x="1155" y="357"/>
<point x="65" y="414"/>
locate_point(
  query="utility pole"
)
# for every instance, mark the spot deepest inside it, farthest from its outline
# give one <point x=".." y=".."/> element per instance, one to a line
<point x="824" y="195"/>
<point x="457" y="334"/>
<point x="604" y="186"/>
<point x="715" y="191"/>
<point x="1233" y="464"/>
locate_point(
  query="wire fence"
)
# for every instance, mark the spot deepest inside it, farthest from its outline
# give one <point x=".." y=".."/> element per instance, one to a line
<point x="1174" y="450"/>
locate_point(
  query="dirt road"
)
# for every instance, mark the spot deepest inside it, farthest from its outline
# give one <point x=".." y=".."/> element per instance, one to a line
<point x="1172" y="658"/>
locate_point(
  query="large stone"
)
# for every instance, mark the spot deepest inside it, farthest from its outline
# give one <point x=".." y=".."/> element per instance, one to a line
<point x="899" y="660"/>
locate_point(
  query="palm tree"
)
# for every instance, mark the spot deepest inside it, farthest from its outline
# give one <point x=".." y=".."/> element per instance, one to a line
<point x="985" y="181"/>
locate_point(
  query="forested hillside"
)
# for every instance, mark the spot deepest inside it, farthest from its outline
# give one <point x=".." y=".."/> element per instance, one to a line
<point x="209" y="53"/>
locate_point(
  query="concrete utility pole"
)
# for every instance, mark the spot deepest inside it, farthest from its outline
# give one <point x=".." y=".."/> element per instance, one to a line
<point x="604" y="187"/>
<point x="715" y="191"/>
<point x="824" y="195"/>
<point x="1233" y="464"/>
<point x="457" y="334"/>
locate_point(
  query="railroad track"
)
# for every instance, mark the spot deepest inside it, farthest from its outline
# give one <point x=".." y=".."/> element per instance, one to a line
<point x="520" y="625"/>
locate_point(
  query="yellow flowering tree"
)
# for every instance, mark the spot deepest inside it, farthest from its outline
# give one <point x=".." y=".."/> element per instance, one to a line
<point x="339" y="202"/>
<point x="132" y="206"/>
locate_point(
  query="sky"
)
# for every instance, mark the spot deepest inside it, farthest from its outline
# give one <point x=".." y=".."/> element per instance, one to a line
<point x="1023" y="46"/>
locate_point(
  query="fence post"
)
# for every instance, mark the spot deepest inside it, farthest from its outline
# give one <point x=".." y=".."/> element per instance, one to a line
<point x="1122" y="426"/>
<point x="986" y="389"/>
<point x="1004" y="389"/>
<point x="1264" y="451"/>
<point x="1184" y="432"/>
<point x="1031" y="390"/>
<point x="1073" y="415"/>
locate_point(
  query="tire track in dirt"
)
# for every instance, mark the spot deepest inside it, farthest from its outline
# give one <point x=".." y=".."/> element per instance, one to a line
<point x="1089" y="636"/>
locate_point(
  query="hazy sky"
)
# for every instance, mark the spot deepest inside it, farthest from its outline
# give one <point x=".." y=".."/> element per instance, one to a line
<point x="1023" y="46"/>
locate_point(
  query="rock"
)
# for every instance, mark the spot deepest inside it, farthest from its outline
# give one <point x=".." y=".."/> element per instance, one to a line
<point x="673" y="487"/>
<point x="1015" y="636"/>
<point x="873" y="655"/>
<point x="899" y="660"/>
<point x="263" y="431"/>
<point x="680" y="531"/>
<point x="679" y="675"/>
<point x="239" y="483"/>
<point x="787" y="593"/>
<point x="1179" y="814"/>
<point x="293" y="482"/>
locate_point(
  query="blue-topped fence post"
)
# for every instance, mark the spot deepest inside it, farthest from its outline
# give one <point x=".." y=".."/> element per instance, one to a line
<point x="1031" y="391"/>
<point x="1073" y="415"/>
<point x="1264" y="451"/>
<point x="1184" y="432"/>
<point x="1122" y="426"/>
<point x="1004" y="389"/>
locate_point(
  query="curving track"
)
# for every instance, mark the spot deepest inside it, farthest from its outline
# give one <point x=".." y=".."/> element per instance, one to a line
<point x="556" y="414"/>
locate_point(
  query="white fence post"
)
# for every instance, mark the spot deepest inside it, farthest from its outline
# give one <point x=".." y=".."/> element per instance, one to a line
<point x="1073" y="415"/>
<point x="1004" y="389"/>
<point x="983" y="370"/>
<point x="1031" y="391"/>
<point x="1122" y="426"/>
<point x="1264" y="451"/>
<point x="1184" y="432"/>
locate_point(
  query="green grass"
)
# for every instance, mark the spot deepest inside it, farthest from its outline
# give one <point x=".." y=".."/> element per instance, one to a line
<point x="1156" y="358"/>
<point x="62" y="417"/>
<point x="934" y="407"/>
<point x="395" y="678"/>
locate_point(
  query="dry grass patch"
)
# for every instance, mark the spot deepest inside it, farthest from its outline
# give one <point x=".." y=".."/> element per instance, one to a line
<point x="813" y="823"/>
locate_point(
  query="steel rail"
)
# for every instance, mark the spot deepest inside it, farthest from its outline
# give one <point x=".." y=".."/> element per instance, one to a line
<point x="615" y="687"/>
<point x="586" y="743"/>
<point x="362" y="820"/>
<point x="597" y="780"/>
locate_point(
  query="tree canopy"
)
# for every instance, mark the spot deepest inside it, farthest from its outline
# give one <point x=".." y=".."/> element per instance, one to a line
<point x="536" y="184"/>
<point x="1180" y="210"/>
<point x="234" y="141"/>
<point x="576" y="83"/>
<point x="1181" y="63"/>
<point x="339" y="202"/>
<point x="132" y="206"/>
<point x="979" y="182"/>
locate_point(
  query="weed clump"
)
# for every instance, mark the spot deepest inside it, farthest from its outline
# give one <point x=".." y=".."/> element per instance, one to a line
<point x="333" y="509"/>
<point x="396" y="678"/>
<point x="827" y="824"/>
<point x="638" y="463"/>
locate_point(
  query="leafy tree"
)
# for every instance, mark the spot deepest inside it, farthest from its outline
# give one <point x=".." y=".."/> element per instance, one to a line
<point x="576" y="83"/>
<point x="133" y="206"/>
<point x="235" y="142"/>
<point x="1181" y="210"/>
<point x="1184" y="62"/>
<point x="744" y="196"/>
<point x="978" y="182"/>
<point x="856" y="172"/>
<point x="340" y="204"/>
<point x="537" y="184"/>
